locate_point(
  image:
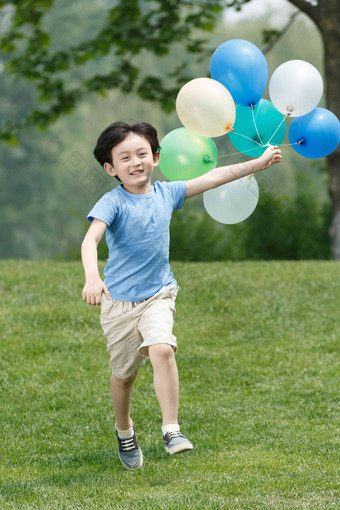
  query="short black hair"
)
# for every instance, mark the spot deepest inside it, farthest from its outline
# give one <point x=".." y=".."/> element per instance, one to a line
<point x="116" y="133"/>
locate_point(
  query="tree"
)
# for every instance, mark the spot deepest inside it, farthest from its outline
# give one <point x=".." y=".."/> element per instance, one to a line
<point x="132" y="27"/>
<point x="326" y="16"/>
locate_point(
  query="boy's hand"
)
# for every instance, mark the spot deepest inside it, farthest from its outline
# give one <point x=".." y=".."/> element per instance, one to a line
<point x="92" y="291"/>
<point x="270" y="156"/>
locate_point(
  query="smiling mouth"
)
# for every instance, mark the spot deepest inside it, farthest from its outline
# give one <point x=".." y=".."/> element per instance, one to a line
<point x="137" y="172"/>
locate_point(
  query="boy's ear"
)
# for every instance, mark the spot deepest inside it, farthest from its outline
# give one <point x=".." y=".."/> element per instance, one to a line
<point x="109" y="169"/>
<point x="156" y="157"/>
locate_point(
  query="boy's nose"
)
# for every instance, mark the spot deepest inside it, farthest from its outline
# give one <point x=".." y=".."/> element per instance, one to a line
<point x="136" y="161"/>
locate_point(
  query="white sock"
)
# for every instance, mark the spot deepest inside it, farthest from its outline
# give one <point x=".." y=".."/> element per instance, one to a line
<point x="171" y="427"/>
<point x="125" y="434"/>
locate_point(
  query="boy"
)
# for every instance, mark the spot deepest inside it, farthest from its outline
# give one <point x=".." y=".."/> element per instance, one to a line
<point x="139" y="290"/>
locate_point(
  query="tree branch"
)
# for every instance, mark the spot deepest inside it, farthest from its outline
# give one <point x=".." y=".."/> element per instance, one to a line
<point x="279" y="34"/>
<point x="307" y="8"/>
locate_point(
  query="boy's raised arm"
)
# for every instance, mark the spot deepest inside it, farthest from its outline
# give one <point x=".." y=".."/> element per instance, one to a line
<point x="224" y="174"/>
<point x="94" y="286"/>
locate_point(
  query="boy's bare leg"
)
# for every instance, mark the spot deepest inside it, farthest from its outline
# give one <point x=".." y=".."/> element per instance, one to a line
<point x="166" y="383"/>
<point x="121" y="392"/>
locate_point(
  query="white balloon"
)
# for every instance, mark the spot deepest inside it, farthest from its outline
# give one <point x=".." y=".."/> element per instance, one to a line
<point x="232" y="202"/>
<point x="295" y="88"/>
<point x="206" y="107"/>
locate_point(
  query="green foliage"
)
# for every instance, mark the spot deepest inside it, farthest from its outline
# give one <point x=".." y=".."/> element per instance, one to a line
<point x="280" y="228"/>
<point x="286" y="229"/>
<point x="258" y="365"/>
<point x="131" y="27"/>
<point x="269" y="35"/>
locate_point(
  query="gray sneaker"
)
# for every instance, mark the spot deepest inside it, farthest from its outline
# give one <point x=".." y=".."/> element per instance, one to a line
<point x="129" y="452"/>
<point x="175" y="442"/>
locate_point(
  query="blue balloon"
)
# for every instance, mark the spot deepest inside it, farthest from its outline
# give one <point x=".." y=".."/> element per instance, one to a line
<point x="316" y="134"/>
<point x="242" y="68"/>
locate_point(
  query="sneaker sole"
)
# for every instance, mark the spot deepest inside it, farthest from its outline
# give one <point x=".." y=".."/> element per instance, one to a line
<point x="178" y="449"/>
<point x="135" y="467"/>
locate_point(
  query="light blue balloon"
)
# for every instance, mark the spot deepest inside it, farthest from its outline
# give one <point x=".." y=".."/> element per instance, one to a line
<point x="242" y="68"/>
<point x="267" y="119"/>
<point x="316" y="134"/>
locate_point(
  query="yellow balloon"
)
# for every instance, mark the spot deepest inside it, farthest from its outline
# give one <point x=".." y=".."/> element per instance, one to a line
<point x="206" y="107"/>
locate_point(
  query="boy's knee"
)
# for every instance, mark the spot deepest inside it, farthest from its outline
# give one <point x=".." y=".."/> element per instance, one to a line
<point x="126" y="380"/>
<point x="161" y="352"/>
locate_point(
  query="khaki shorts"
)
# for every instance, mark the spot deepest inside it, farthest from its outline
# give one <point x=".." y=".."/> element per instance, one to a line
<point x="130" y="327"/>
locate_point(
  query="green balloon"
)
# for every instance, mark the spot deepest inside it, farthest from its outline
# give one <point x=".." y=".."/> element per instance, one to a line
<point x="185" y="155"/>
<point x="267" y="118"/>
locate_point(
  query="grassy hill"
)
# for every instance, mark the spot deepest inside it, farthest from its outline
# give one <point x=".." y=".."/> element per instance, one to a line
<point x="258" y="362"/>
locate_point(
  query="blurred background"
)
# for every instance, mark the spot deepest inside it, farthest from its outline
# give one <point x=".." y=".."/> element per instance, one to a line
<point x="49" y="179"/>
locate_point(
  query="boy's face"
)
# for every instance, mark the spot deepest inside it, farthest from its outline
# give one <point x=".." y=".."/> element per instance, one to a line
<point x="133" y="162"/>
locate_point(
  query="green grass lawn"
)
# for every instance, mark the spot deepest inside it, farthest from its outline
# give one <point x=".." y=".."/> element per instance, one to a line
<point x="259" y="369"/>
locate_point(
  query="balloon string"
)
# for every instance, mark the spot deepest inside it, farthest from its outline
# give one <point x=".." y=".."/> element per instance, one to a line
<point x="250" y="150"/>
<point x="282" y="121"/>
<point x="244" y="136"/>
<point x="257" y="131"/>
<point x="235" y="153"/>
<point x="289" y="144"/>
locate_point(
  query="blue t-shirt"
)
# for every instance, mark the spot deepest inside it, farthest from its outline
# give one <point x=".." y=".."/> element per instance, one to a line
<point x="138" y="238"/>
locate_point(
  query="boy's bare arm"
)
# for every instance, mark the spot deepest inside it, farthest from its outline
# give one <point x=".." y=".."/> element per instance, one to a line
<point x="94" y="286"/>
<point x="224" y="174"/>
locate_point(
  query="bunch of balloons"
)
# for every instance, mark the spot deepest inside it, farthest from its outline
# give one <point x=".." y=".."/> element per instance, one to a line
<point x="230" y="102"/>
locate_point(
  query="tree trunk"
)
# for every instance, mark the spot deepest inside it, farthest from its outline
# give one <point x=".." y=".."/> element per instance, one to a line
<point x="326" y="16"/>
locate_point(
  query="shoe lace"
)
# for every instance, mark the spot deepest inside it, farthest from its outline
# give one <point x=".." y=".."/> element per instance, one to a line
<point x="176" y="433"/>
<point x="127" y="444"/>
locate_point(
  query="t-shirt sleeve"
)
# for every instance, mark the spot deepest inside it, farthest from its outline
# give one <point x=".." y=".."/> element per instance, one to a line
<point x="105" y="209"/>
<point x="177" y="190"/>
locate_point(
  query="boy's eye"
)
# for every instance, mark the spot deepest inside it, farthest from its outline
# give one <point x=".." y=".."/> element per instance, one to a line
<point x="142" y="153"/>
